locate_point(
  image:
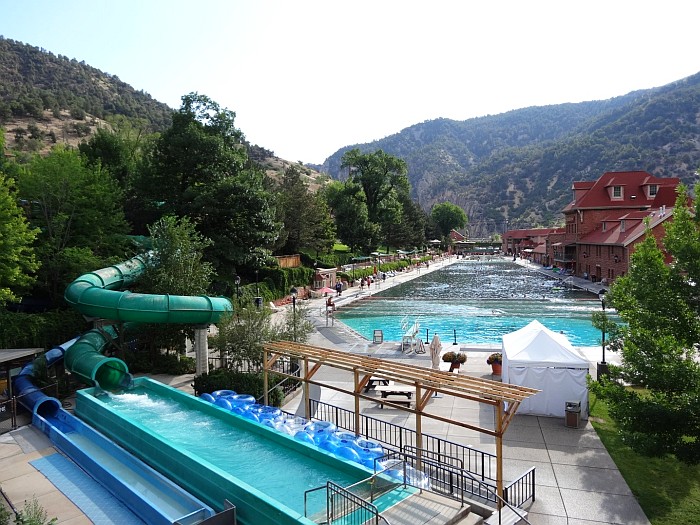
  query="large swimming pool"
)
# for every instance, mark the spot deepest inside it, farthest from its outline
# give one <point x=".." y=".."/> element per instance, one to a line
<point x="479" y="301"/>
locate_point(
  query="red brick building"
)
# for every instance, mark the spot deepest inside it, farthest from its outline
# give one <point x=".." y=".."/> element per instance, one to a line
<point x="603" y="223"/>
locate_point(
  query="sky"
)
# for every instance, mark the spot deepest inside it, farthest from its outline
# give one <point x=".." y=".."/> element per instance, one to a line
<point x="306" y="78"/>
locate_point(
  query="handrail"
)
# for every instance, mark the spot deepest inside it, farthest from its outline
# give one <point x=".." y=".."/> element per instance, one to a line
<point x="438" y="454"/>
<point x="515" y="486"/>
<point x="500" y="499"/>
<point x="351" y="503"/>
<point x="306" y="493"/>
<point x="468" y="474"/>
<point x="475" y="461"/>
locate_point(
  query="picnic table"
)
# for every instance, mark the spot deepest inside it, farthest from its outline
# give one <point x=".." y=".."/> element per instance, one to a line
<point x="391" y="391"/>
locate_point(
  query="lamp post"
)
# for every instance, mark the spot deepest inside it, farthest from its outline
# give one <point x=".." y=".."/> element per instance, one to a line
<point x="293" y="293"/>
<point x="602" y="366"/>
<point x="258" y="299"/>
<point x="238" y="290"/>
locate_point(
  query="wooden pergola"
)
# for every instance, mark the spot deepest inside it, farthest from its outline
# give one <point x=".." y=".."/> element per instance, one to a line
<point x="504" y="398"/>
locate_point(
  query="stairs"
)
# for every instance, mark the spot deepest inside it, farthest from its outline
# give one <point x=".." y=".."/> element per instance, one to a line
<point x="427" y="508"/>
<point x="508" y="517"/>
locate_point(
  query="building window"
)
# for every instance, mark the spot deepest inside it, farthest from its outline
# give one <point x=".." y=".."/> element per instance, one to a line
<point x="605" y="226"/>
<point x="622" y="226"/>
<point x="617" y="192"/>
<point x="653" y="188"/>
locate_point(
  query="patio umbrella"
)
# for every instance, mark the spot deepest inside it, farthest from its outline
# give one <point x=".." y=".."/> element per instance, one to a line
<point x="435" y="349"/>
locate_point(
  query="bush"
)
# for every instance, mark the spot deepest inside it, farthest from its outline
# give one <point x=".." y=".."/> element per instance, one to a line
<point x="455" y="357"/>
<point x="495" y="358"/>
<point x="170" y="364"/>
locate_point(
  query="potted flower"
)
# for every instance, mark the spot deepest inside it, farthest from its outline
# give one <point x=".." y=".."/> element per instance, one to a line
<point x="496" y="361"/>
<point x="455" y="359"/>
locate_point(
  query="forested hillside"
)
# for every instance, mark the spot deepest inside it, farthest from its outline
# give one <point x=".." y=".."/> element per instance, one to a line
<point x="517" y="168"/>
<point x="33" y="80"/>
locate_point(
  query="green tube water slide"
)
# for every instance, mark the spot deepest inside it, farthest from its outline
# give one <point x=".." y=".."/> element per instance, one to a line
<point x="100" y="294"/>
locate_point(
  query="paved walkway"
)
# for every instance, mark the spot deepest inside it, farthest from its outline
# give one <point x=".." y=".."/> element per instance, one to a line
<point x="577" y="481"/>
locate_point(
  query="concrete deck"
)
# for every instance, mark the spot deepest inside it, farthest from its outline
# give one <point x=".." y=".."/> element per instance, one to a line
<point x="577" y="481"/>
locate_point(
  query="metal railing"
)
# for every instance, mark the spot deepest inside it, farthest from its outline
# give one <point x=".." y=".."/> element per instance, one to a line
<point x="354" y="510"/>
<point x="453" y="481"/>
<point x="11" y="410"/>
<point x="478" y="462"/>
<point x="519" y="491"/>
<point x="480" y="465"/>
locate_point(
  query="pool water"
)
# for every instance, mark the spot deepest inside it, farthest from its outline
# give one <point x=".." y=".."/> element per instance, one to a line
<point x="479" y="301"/>
<point x="275" y="470"/>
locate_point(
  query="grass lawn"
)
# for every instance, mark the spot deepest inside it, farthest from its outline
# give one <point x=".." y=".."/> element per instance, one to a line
<point x="667" y="490"/>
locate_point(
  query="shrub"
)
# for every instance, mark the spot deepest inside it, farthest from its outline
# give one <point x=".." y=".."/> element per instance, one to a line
<point x="454" y="357"/>
<point x="495" y="358"/>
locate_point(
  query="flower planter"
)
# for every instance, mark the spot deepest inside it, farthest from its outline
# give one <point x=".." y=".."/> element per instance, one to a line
<point x="454" y="366"/>
<point x="496" y="368"/>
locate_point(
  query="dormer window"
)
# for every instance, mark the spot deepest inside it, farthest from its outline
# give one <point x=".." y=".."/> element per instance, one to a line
<point x="605" y="226"/>
<point x="617" y="192"/>
<point x="622" y="226"/>
<point x="653" y="189"/>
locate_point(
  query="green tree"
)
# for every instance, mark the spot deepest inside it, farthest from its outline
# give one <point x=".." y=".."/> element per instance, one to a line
<point x="347" y="203"/>
<point x="659" y="305"/>
<point x="321" y="231"/>
<point x="448" y="216"/>
<point x="174" y="266"/>
<point x="79" y="212"/>
<point x="201" y="147"/>
<point x="199" y="169"/>
<point x="17" y="260"/>
<point x="237" y="214"/>
<point x="242" y="335"/>
<point x="305" y="215"/>
<point x="293" y="198"/>
<point x="379" y="174"/>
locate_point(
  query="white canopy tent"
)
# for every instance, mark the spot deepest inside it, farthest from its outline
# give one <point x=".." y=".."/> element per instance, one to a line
<point x="536" y="357"/>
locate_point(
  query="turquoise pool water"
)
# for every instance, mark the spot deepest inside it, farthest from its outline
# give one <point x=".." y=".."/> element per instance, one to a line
<point x="275" y="470"/>
<point x="480" y="301"/>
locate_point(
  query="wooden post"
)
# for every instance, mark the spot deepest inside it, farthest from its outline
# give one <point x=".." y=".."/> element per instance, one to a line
<point x="307" y="399"/>
<point x="265" y="378"/>
<point x="419" y="428"/>
<point x="499" y="452"/>
<point x="356" y="375"/>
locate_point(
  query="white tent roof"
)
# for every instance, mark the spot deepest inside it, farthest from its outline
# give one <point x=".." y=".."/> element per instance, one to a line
<point x="535" y="345"/>
<point x="536" y="357"/>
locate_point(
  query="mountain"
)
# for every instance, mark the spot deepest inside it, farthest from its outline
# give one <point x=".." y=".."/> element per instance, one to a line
<point x="47" y="99"/>
<point x="517" y="168"/>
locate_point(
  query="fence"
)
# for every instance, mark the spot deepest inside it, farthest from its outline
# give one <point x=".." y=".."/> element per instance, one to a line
<point x="13" y="415"/>
<point x="481" y="466"/>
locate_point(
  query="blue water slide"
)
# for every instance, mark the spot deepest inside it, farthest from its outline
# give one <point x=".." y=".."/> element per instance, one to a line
<point x="146" y="492"/>
<point x="27" y="393"/>
<point x="98" y="295"/>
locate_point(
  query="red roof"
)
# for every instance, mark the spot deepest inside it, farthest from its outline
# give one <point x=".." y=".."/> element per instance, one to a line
<point x="633" y="187"/>
<point x="634" y="227"/>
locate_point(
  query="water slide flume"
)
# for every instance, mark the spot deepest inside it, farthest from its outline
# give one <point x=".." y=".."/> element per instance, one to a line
<point x="100" y="295"/>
